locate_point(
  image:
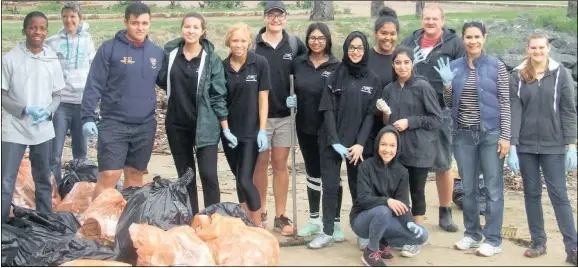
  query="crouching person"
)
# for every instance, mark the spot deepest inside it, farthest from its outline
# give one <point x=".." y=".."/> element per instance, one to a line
<point x="381" y="212"/>
<point x="31" y="84"/>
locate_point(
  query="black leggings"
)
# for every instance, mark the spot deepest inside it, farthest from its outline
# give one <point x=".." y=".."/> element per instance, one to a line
<point x="417" y="180"/>
<point x="242" y="160"/>
<point x="181" y="142"/>
<point x="309" y="147"/>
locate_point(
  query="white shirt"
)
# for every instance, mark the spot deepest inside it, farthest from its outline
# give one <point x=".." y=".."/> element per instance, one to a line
<point x="29" y="80"/>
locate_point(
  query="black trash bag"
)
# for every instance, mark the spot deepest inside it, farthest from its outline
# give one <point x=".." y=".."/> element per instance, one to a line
<point x="59" y="223"/>
<point x="162" y="203"/>
<point x="128" y="192"/>
<point x="76" y="171"/>
<point x="16" y="246"/>
<point x="228" y="209"/>
<point x="458" y="194"/>
<point x="58" y="252"/>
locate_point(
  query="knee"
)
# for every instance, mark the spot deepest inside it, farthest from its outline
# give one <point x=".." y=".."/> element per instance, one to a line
<point x="279" y="165"/>
<point x="381" y="213"/>
<point x="109" y="177"/>
<point x="424" y="237"/>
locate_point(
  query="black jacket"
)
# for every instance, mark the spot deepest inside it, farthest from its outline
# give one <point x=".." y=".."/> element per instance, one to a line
<point x="416" y="102"/>
<point x="378" y="182"/>
<point x="450" y="46"/>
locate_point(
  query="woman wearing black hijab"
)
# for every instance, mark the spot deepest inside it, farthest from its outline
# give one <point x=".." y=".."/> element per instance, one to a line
<point x="347" y="121"/>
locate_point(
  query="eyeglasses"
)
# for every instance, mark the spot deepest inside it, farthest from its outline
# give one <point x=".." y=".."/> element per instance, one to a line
<point x="320" y="39"/>
<point x="272" y="16"/>
<point x="358" y="49"/>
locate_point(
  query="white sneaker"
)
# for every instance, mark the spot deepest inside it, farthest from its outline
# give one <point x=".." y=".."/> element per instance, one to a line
<point x="467" y="243"/>
<point x="362" y="243"/>
<point x="487" y="250"/>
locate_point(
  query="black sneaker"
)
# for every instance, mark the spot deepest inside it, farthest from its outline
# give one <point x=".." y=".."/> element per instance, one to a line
<point x="571" y="257"/>
<point x="283" y="225"/>
<point x="372" y="258"/>
<point x="386" y="252"/>
<point x="535" y="250"/>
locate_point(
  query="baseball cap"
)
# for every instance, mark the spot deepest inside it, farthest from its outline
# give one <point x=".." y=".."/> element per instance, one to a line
<point x="270" y="5"/>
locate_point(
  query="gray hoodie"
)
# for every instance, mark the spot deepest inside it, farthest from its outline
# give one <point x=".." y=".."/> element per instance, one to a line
<point x="75" y="55"/>
<point x="543" y="111"/>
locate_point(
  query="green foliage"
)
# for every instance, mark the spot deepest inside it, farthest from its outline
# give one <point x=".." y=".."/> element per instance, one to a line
<point x="303" y="4"/>
<point x="218" y="4"/>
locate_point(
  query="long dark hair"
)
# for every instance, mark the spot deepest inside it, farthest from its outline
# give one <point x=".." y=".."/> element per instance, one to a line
<point x="399" y="50"/>
<point x="324" y="29"/>
<point x="197" y="16"/>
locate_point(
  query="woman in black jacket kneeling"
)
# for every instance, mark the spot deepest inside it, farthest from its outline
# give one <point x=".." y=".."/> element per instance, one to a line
<point x="381" y="211"/>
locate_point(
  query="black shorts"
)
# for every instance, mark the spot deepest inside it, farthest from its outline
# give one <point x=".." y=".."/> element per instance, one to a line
<point x="123" y="145"/>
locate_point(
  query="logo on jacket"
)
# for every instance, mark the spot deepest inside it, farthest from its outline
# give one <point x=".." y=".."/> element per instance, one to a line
<point x="153" y="62"/>
<point x="251" y="78"/>
<point x="366" y="89"/>
<point x="288" y="56"/>
<point x="127" y="60"/>
<point x="325" y="74"/>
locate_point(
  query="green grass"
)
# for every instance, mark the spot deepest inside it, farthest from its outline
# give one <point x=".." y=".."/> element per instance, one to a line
<point x="166" y="30"/>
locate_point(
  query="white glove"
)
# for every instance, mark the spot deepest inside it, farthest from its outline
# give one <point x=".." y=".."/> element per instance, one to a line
<point x="382" y="106"/>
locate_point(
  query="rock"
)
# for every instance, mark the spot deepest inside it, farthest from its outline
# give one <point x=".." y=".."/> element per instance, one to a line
<point x="575" y="72"/>
<point x="569" y="61"/>
<point x="564" y="44"/>
<point x="511" y="60"/>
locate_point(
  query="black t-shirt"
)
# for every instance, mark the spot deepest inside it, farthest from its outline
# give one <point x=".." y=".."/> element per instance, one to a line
<point x="351" y="105"/>
<point x="243" y="94"/>
<point x="280" y="61"/>
<point x="309" y="83"/>
<point x="182" y="106"/>
<point x="381" y="65"/>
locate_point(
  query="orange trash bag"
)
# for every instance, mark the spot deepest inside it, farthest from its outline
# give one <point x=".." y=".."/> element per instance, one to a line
<point x="24" y="191"/>
<point x="79" y="198"/>
<point x="101" y="217"/>
<point x="178" y="246"/>
<point x="81" y="262"/>
<point x="216" y="225"/>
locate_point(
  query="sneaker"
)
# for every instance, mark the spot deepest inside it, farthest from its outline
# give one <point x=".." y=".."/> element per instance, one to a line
<point x="372" y="258"/>
<point x="571" y="257"/>
<point x="386" y="252"/>
<point x="362" y="243"/>
<point x="409" y="251"/>
<point x="283" y="225"/>
<point x="338" y="235"/>
<point x="321" y="240"/>
<point x="535" y="250"/>
<point x="467" y="243"/>
<point x="312" y="227"/>
<point x="487" y="250"/>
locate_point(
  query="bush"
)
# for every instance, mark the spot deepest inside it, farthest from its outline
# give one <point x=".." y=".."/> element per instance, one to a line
<point x="217" y="4"/>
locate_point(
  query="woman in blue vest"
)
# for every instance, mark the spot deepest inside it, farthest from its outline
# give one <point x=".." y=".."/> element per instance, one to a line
<point x="476" y="89"/>
<point x="544" y="137"/>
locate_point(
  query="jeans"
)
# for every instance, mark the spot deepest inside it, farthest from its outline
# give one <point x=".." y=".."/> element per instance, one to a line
<point x="553" y="169"/>
<point x="477" y="151"/>
<point x="66" y="117"/>
<point x="12" y="154"/>
<point x="381" y="226"/>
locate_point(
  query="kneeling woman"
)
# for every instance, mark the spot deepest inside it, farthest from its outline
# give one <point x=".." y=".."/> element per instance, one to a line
<point x="248" y="85"/>
<point x="381" y="211"/>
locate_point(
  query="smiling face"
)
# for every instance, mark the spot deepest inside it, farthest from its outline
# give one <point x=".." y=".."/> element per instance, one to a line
<point x="138" y="27"/>
<point x="387" y="147"/>
<point x="432" y="21"/>
<point x="316" y="42"/>
<point x="275" y="20"/>
<point x="386" y="37"/>
<point x="474" y="40"/>
<point x="192" y="30"/>
<point x="402" y="65"/>
<point x="70" y="20"/>
<point x="356" y="50"/>
<point x="539" y="49"/>
<point x="35" y="32"/>
<point x="239" y="43"/>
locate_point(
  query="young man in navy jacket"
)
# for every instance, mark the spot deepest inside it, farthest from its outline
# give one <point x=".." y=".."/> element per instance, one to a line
<point x="123" y="78"/>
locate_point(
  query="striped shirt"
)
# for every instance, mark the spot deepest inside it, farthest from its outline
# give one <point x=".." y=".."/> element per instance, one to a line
<point x="469" y="107"/>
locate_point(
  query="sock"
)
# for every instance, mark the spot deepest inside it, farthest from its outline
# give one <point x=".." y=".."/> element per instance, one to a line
<point x="313" y="196"/>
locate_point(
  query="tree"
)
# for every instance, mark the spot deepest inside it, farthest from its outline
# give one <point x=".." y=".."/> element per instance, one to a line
<point x="419" y="5"/>
<point x="375" y="7"/>
<point x="322" y="10"/>
<point x="571" y="9"/>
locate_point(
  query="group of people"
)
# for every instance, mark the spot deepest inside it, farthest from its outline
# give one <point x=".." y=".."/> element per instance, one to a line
<point x="393" y="112"/>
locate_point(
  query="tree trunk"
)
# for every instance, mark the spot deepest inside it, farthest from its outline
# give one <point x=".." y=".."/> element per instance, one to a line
<point x="571" y="9"/>
<point x="375" y="7"/>
<point x="322" y="10"/>
<point x="419" y="5"/>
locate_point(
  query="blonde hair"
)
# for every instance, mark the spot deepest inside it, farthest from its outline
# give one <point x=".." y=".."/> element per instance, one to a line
<point x="528" y="72"/>
<point x="435" y="6"/>
<point x="245" y="29"/>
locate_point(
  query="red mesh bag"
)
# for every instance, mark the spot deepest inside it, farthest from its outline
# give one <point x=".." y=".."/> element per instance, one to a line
<point x="79" y="198"/>
<point x="24" y="191"/>
<point x="101" y="217"/>
<point x="81" y="262"/>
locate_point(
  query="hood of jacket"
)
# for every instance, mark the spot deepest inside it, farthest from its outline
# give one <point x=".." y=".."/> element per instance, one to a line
<point x="387" y="129"/>
<point x="206" y="44"/>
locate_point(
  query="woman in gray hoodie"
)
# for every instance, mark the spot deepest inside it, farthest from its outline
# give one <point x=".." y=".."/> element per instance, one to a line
<point x="75" y="49"/>
<point x="544" y="136"/>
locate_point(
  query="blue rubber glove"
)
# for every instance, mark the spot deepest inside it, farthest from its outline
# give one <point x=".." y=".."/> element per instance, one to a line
<point x="570" y="158"/>
<point x="89" y="129"/>
<point x="341" y="150"/>
<point x="291" y="101"/>
<point x="414" y="228"/>
<point x="445" y="71"/>
<point x="262" y="141"/>
<point x="44" y="118"/>
<point x="512" y="160"/>
<point x="419" y="55"/>
<point x="34" y="111"/>
<point x="230" y="137"/>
